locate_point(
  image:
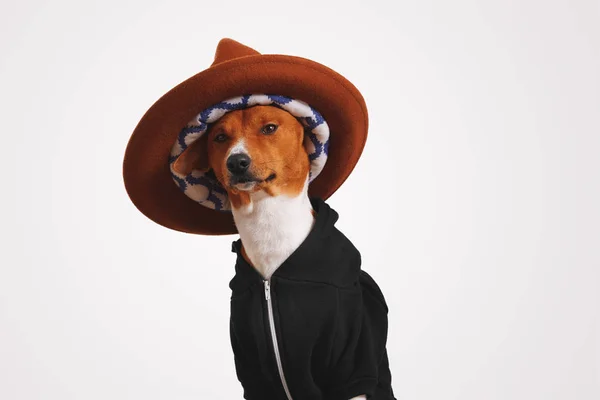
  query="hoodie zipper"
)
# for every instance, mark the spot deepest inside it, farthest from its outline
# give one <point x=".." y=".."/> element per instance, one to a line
<point x="267" y="283"/>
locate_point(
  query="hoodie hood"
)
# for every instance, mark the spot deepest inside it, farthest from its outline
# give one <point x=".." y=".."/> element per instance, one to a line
<point x="325" y="256"/>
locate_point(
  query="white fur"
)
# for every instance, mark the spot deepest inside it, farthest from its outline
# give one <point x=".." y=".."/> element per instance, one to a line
<point x="239" y="147"/>
<point x="272" y="227"/>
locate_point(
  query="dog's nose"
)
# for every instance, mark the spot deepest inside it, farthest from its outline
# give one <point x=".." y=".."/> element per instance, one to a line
<point x="237" y="164"/>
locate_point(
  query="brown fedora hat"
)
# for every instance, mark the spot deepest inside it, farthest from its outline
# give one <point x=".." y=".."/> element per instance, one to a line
<point x="238" y="70"/>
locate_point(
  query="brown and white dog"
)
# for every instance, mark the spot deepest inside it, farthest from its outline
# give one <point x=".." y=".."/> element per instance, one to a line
<point x="257" y="154"/>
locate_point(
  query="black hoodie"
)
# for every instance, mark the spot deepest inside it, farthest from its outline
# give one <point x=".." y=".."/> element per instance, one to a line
<point x="329" y="318"/>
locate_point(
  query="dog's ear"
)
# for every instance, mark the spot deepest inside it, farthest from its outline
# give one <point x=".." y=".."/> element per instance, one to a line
<point x="194" y="157"/>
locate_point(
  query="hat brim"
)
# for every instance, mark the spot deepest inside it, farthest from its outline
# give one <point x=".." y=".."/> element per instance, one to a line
<point x="146" y="173"/>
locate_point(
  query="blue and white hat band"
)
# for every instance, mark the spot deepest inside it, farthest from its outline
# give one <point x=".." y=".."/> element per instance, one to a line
<point x="203" y="187"/>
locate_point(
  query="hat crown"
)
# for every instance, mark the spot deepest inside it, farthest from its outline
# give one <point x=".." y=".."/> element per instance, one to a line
<point x="229" y="49"/>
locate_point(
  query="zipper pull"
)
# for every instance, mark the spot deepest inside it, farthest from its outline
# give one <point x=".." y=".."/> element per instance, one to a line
<point x="267" y="290"/>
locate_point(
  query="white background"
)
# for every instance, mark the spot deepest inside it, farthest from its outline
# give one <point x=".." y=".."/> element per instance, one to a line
<point x="475" y="205"/>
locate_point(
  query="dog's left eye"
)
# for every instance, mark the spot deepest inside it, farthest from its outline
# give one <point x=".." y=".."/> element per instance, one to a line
<point x="269" y="129"/>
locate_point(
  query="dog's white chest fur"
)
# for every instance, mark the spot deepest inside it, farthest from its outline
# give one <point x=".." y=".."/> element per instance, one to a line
<point x="272" y="227"/>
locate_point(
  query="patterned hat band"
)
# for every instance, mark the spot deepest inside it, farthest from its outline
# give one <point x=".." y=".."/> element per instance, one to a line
<point x="203" y="187"/>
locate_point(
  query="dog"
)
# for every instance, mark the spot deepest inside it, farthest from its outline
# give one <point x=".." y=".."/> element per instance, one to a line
<point x="257" y="155"/>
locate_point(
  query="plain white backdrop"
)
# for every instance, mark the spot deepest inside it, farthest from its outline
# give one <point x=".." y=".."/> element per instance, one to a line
<point x="475" y="204"/>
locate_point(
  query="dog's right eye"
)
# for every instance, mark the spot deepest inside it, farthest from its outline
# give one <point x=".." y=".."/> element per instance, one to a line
<point x="220" y="138"/>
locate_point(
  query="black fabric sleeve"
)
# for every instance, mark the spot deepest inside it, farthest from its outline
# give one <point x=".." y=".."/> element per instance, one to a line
<point x="374" y="302"/>
<point x="355" y="354"/>
<point x="359" y="345"/>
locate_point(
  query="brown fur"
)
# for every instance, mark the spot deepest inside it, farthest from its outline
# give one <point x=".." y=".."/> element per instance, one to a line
<point x="281" y="153"/>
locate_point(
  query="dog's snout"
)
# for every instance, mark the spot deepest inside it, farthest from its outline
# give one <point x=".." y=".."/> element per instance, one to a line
<point x="238" y="164"/>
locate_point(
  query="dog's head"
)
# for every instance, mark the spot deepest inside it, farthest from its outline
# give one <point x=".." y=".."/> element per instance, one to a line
<point x="253" y="149"/>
